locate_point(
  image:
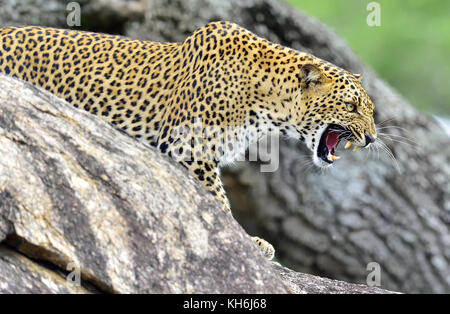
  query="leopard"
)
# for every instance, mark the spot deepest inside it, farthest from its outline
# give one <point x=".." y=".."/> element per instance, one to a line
<point x="201" y="101"/>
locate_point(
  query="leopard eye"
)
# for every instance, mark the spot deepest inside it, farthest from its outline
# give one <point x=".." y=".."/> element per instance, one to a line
<point x="351" y="107"/>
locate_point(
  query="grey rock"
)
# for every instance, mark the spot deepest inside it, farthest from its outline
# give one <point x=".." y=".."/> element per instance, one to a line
<point x="303" y="283"/>
<point x="76" y="191"/>
<point x="19" y="274"/>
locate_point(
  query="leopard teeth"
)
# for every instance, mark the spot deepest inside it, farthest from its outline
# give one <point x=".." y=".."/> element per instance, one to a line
<point x="355" y="148"/>
<point x="348" y="144"/>
<point x="332" y="157"/>
<point x="335" y="157"/>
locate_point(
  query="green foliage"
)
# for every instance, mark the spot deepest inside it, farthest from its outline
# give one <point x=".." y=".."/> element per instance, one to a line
<point x="411" y="48"/>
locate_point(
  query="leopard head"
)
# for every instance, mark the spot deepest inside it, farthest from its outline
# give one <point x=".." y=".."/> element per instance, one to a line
<point x="333" y="106"/>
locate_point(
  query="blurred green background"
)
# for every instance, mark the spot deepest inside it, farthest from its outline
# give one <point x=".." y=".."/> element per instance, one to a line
<point x="410" y="50"/>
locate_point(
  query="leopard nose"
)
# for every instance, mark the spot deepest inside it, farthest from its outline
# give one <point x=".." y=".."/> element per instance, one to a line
<point x="369" y="139"/>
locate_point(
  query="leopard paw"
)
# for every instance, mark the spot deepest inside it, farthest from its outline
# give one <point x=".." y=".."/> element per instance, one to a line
<point x="266" y="248"/>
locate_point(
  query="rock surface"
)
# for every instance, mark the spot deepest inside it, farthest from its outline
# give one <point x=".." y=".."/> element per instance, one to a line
<point x="19" y="274"/>
<point x="78" y="194"/>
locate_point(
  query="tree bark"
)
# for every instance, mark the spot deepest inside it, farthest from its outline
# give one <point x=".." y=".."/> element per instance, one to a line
<point x="108" y="16"/>
<point x="368" y="208"/>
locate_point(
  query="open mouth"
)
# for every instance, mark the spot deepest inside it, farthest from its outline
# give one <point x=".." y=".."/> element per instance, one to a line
<point x="328" y="143"/>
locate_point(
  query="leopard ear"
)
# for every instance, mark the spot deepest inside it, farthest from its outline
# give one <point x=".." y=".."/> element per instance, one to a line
<point x="358" y="77"/>
<point x="312" y="74"/>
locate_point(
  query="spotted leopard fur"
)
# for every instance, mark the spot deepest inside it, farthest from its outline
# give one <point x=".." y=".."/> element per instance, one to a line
<point x="222" y="87"/>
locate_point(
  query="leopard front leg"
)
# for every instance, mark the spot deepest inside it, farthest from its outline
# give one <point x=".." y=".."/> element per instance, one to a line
<point x="208" y="175"/>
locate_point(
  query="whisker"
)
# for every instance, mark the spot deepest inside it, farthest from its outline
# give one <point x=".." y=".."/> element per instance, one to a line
<point x="398" y="138"/>
<point x="412" y="145"/>
<point x="385" y="121"/>
<point x="306" y="163"/>
<point x="394" y="135"/>
<point x="374" y="148"/>
<point x="388" y="152"/>
<point x="392" y="127"/>
<point x="366" y="157"/>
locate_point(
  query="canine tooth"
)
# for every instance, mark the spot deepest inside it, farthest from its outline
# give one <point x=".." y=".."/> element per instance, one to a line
<point x="355" y="148"/>
<point x="335" y="157"/>
<point x="348" y="144"/>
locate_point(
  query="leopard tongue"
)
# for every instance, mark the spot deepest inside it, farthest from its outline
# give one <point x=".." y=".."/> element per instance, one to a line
<point x="332" y="140"/>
